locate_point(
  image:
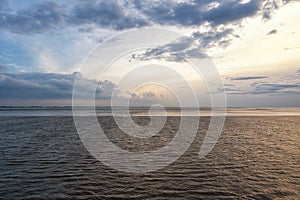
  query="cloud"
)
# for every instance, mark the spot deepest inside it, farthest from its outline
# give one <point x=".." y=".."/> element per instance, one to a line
<point x="265" y="89"/>
<point x="272" y="32"/>
<point x="189" y="47"/>
<point x="144" y="98"/>
<point x="121" y="15"/>
<point x="2" y="68"/>
<point x="231" y="11"/>
<point x="263" y="85"/>
<point x="213" y="38"/>
<point x="148" y="95"/>
<point x="275" y="87"/>
<point x="217" y="17"/>
<point x="195" y="13"/>
<point x="248" y="78"/>
<point x="268" y="7"/>
<point x="105" y="14"/>
<point x="49" y="86"/>
<point x="72" y="29"/>
<point x="179" y="50"/>
<point x="35" y="19"/>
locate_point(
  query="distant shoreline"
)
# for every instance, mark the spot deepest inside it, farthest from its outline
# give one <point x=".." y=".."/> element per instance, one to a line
<point x="144" y="111"/>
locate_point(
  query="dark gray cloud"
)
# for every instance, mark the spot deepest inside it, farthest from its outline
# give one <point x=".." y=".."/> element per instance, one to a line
<point x="263" y="88"/>
<point x="49" y="86"/>
<point x="144" y="97"/>
<point x="2" y="68"/>
<point x="272" y="32"/>
<point x="247" y="78"/>
<point x="195" y="13"/>
<point x="267" y="91"/>
<point x="275" y="87"/>
<point x="288" y="84"/>
<point x="36" y="19"/>
<point x="179" y="50"/>
<point x="120" y="15"/>
<point x="189" y="47"/>
<point x="268" y="7"/>
<point x="148" y="95"/>
<point x="107" y="14"/>
<point x="232" y="11"/>
<point x="214" y="38"/>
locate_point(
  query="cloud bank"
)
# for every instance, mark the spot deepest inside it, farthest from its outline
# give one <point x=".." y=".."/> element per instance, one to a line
<point x="49" y="86"/>
<point x="122" y="15"/>
<point x="263" y="85"/>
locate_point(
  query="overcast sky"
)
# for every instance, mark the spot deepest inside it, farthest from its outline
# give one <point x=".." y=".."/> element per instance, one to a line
<point x="255" y="45"/>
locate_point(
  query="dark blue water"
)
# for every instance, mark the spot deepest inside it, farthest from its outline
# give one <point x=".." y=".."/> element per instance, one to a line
<point x="255" y="158"/>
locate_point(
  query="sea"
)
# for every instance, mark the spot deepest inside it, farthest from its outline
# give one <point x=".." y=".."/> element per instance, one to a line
<point x="255" y="157"/>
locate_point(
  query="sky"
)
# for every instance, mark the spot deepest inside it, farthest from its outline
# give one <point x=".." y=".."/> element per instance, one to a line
<point x="254" y="44"/>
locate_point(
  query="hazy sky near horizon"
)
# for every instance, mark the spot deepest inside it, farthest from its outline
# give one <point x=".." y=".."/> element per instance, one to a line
<point x="255" y="45"/>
